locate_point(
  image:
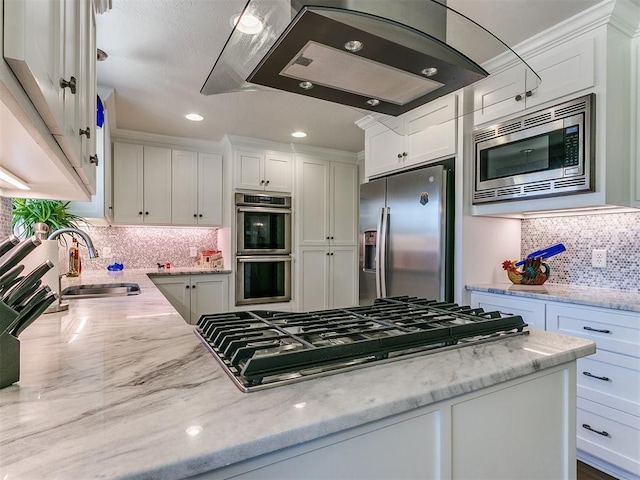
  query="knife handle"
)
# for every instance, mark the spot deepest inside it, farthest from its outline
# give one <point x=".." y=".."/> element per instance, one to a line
<point x="31" y="314"/>
<point x="10" y="242"/>
<point x="38" y="296"/>
<point x="21" y="251"/>
<point x="26" y="284"/>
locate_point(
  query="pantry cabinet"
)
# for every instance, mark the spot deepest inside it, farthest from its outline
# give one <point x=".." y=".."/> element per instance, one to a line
<point x="327" y="206"/>
<point x="196" y="188"/>
<point x="424" y="134"/>
<point x="141" y="184"/>
<point x="51" y="48"/>
<point x="195" y="295"/>
<point x="608" y="383"/>
<point x="264" y="170"/>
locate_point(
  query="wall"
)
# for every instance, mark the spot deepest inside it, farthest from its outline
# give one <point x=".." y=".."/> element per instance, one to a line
<point x="5" y="217"/>
<point x="618" y="233"/>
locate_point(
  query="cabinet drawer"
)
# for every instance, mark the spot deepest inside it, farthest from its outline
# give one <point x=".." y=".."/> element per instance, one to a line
<point x="610" y="379"/>
<point x="612" y="331"/>
<point x="614" y="435"/>
<point x="531" y="312"/>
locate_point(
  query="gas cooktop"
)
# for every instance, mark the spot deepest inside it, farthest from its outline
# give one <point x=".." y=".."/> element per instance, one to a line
<point x="261" y="349"/>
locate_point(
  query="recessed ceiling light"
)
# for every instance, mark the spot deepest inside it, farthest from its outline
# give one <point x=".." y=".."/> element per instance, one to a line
<point x="306" y="85"/>
<point x="247" y="23"/>
<point x="353" y="46"/>
<point x="429" y="72"/>
<point x="194" y="117"/>
<point x="10" y="178"/>
<point x="299" y="134"/>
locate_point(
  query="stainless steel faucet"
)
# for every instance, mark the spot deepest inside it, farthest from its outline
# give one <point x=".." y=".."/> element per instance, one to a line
<point x="93" y="253"/>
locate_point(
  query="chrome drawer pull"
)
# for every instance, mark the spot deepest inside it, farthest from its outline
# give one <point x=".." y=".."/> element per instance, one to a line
<point x="589" y="374"/>
<point x="596" y="330"/>
<point x="588" y="427"/>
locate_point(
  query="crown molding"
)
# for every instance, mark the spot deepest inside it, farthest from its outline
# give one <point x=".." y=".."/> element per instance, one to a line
<point x="167" y="141"/>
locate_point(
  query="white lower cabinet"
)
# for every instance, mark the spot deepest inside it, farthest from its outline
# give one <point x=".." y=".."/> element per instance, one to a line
<point x="532" y="312"/>
<point x="195" y="295"/>
<point x="608" y="383"/>
<point x="516" y="430"/>
<point x="327" y="277"/>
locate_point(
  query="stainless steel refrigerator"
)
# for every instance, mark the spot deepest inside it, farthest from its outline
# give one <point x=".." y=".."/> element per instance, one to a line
<point x="405" y="239"/>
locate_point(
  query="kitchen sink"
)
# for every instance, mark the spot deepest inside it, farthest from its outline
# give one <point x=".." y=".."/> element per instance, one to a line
<point x="100" y="290"/>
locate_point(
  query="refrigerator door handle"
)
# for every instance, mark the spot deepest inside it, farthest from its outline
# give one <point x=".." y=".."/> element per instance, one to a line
<point x="382" y="270"/>
<point x="378" y="249"/>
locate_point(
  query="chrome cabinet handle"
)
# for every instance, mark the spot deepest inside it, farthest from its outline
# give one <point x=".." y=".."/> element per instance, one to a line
<point x="94" y="159"/>
<point x="70" y="84"/>
<point x="596" y="330"/>
<point x="588" y="427"/>
<point x="589" y="374"/>
<point x="86" y="131"/>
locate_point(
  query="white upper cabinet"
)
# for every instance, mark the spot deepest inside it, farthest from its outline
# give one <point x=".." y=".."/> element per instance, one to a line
<point x="635" y="118"/>
<point x="268" y="171"/>
<point x="141" y="184"/>
<point x="564" y="70"/>
<point x="422" y="135"/>
<point x="50" y="46"/>
<point x="196" y="183"/>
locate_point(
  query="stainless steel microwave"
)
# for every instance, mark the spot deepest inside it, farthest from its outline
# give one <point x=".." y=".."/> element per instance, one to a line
<point x="547" y="153"/>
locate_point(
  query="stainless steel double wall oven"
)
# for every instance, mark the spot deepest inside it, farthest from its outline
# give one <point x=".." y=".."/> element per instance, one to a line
<point x="263" y="250"/>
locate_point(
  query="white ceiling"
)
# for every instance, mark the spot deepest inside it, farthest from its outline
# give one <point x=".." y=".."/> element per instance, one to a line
<point x="161" y="52"/>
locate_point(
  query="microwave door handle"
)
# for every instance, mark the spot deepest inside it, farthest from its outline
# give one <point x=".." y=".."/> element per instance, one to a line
<point x="383" y="252"/>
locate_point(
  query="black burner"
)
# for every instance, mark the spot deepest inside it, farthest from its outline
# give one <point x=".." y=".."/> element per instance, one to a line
<point x="263" y="348"/>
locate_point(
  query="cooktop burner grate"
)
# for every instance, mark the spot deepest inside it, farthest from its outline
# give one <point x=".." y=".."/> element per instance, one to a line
<point x="259" y="349"/>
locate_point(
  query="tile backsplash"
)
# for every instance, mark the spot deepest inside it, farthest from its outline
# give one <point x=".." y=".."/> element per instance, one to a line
<point x="144" y="247"/>
<point x="617" y="233"/>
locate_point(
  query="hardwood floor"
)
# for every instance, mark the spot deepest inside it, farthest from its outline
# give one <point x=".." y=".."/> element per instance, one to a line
<point x="586" y="472"/>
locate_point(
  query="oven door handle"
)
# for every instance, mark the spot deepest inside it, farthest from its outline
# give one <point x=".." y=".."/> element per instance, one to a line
<point x="264" y="209"/>
<point x="262" y="258"/>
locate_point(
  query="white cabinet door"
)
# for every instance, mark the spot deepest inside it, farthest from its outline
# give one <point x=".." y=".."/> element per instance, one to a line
<point x="249" y="168"/>
<point x="209" y="294"/>
<point x="128" y="199"/>
<point x="498" y="95"/>
<point x="344" y="277"/>
<point x="384" y="146"/>
<point x="184" y="187"/>
<point x="343" y="200"/>
<point x="313" y="202"/>
<point x="210" y="192"/>
<point x="431" y="131"/>
<point x="278" y="169"/>
<point x="157" y="185"/>
<point x="313" y="278"/>
<point x="176" y="289"/>
<point x="87" y="91"/>
<point x="34" y="43"/>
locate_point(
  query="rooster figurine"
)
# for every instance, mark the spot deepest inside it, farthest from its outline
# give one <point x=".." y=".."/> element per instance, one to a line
<point x="534" y="271"/>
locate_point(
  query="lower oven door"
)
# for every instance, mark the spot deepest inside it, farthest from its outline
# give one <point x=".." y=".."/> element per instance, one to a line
<point x="263" y="279"/>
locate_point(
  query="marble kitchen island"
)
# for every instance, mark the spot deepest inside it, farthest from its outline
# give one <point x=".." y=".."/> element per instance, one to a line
<point x="121" y="388"/>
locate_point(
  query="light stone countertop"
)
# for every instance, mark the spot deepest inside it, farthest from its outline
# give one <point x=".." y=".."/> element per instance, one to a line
<point x="580" y="295"/>
<point x="110" y="388"/>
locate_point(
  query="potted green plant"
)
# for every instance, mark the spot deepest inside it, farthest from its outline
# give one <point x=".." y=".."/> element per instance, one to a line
<point x="28" y="213"/>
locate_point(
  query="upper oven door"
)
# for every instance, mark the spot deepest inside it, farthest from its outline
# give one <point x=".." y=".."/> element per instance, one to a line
<point x="263" y="230"/>
<point x="550" y="151"/>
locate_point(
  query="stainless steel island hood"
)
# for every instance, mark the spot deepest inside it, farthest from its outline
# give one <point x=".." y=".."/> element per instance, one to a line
<point x="379" y="55"/>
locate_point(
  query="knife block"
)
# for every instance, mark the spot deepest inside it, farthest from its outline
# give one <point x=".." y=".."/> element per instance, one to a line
<point x="9" y="349"/>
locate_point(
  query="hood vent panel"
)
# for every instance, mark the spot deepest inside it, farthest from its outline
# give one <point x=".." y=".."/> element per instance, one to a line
<point x="313" y="50"/>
